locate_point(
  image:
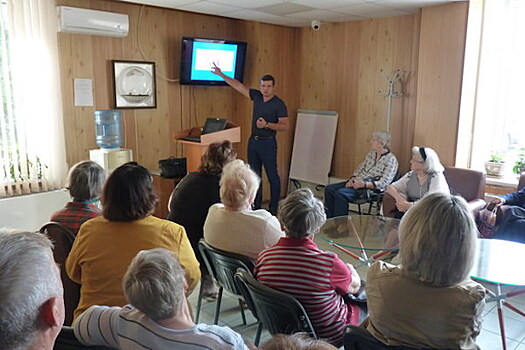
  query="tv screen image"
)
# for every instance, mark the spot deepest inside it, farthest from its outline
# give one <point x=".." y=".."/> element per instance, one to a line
<point x="198" y="56"/>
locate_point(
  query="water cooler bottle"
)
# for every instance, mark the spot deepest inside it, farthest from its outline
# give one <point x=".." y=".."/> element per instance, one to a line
<point x="109" y="139"/>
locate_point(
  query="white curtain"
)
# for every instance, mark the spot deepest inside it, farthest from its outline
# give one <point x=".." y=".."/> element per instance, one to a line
<point x="35" y="75"/>
<point x="495" y="72"/>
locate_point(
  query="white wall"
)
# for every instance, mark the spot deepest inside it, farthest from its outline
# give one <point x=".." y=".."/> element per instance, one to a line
<point x="30" y="212"/>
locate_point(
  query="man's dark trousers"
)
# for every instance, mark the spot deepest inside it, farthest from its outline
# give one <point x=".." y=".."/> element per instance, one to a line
<point x="262" y="151"/>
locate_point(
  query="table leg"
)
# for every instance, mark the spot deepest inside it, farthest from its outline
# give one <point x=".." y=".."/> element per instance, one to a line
<point x="500" y="317"/>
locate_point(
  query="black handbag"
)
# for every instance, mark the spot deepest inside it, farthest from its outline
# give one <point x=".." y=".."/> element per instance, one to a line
<point x="173" y="167"/>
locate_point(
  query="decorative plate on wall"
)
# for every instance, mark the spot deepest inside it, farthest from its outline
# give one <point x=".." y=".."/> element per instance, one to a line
<point x="134" y="84"/>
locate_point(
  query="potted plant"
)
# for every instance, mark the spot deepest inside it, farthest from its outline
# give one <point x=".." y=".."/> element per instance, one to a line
<point x="519" y="166"/>
<point x="495" y="165"/>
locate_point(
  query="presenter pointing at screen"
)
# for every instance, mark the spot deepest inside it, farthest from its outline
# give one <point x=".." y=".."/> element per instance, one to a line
<point x="269" y="116"/>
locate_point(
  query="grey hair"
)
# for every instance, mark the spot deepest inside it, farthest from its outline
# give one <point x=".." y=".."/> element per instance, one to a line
<point x="296" y="341"/>
<point x="85" y="180"/>
<point x="432" y="163"/>
<point x="301" y="213"/>
<point x="238" y="184"/>
<point x="438" y="240"/>
<point x="154" y="283"/>
<point x="383" y="137"/>
<point x="28" y="278"/>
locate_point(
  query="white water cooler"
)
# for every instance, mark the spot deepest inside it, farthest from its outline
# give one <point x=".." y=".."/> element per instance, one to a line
<point x="111" y="158"/>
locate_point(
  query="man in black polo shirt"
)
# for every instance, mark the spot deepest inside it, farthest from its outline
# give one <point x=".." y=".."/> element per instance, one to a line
<point x="269" y="116"/>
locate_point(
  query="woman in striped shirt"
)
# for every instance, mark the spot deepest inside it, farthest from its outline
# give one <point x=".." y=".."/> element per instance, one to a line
<point x="318" y="279"/>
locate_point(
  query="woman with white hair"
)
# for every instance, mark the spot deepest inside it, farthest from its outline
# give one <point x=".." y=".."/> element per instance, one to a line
<point x="426" y="176"/>
<point x="232" y="225"/>
<point x="318" y="279"/>
<point x="376" y="172"/>
<point x="158" y="316"/>
<point x="429" y="301"/>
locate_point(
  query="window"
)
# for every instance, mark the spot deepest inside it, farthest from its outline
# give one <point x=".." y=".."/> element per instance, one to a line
<point x="32" y="157"/>
<point x="492" y="112"/>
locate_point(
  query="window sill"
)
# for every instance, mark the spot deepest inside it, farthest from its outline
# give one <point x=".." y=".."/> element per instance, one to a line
<point x="505" y="181"/>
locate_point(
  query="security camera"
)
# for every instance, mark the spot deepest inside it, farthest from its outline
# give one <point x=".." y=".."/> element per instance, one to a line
<point x="316" y="25"/>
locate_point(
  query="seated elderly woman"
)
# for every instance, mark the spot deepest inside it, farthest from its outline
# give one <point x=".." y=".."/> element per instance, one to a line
<point x="158" y="316"/>
<point x="376" y="172"/>
<point x="105" y="245"/>
<point x="193" y="196"/>
<point x="429" y="301"/>
<point x="84" y="182"/>
<point x="232" y="225"/>
<point x="318" y="279"/>
<point x="426" y="176"/>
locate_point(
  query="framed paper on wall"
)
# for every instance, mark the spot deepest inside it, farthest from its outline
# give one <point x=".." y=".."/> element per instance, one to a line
<point x="134" y="84"/>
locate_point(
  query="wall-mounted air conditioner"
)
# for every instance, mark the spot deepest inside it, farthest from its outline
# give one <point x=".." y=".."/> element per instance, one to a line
<point x="84" y="21"/>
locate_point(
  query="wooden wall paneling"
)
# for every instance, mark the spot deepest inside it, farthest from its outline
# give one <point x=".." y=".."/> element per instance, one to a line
<point x="346" y="80"/>
<point x="79" y="122"/>
<point x="441" y="53"/>
<point x="152" y="135"/>
<point x="403" y="126"/>
<point x="403" y="45"/>
<point x="374" y="55"/>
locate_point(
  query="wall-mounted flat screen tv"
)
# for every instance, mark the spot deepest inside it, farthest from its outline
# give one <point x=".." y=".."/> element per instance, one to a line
<point x="199" y="54"/>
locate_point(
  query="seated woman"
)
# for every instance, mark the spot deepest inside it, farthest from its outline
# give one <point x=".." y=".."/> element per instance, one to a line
<point x="429" y="301"/>
<point x="158" y="317"/>
<point x="195" y="194"/>
<point x="426" y="176"/>
<point x="105" y="245"/>
<point x="318" y="279"/>
<point x="376" y="172"/>
<point x="84" y="182"/>
<point x="511" y="225"/>
<point x="232" y="225"/>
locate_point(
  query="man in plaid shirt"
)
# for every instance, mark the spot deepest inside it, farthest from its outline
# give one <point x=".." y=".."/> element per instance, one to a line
<point x="85" y="180"/>
<point x="376" y="172"/>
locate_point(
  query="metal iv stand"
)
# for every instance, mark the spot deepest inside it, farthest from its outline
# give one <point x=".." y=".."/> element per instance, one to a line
<point x="391" y="93"/>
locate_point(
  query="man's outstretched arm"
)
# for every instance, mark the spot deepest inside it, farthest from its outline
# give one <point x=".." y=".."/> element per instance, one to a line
<point x="237" y="85"/>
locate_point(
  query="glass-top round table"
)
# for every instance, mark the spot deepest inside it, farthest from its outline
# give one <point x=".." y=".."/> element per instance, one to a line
<point x="500" y="263"/>
<point x="365" y="238"/>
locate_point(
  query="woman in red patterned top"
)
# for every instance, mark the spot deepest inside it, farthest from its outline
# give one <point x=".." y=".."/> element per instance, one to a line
<point x="318" y="279"/>
<point x="84" y="182"/>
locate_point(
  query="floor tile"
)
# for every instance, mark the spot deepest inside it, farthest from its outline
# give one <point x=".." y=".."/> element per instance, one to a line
<point x="488" y="340"/>
<point x="514" y="329"/>
<point x="520" y="346"/>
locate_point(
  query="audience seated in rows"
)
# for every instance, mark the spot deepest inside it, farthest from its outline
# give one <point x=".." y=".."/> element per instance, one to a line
<point x="32" y="307"/>
<point x="318" y="279"/>
<point x="193" y="196"/>
<point x="158" y="315"/>
<point x="105" y="246"/>
<point x="376" y="172"/>
<point x="297" y="341"/>
<point x="232" y="225"/>
<point x="84" y="182"/>
<point x="511" y="225"/>
<point x="429" y="301"/>
<point x="425" y="176"/>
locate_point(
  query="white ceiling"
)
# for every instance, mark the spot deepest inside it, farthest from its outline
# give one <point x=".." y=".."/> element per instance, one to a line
<point x="297" y="13"/>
